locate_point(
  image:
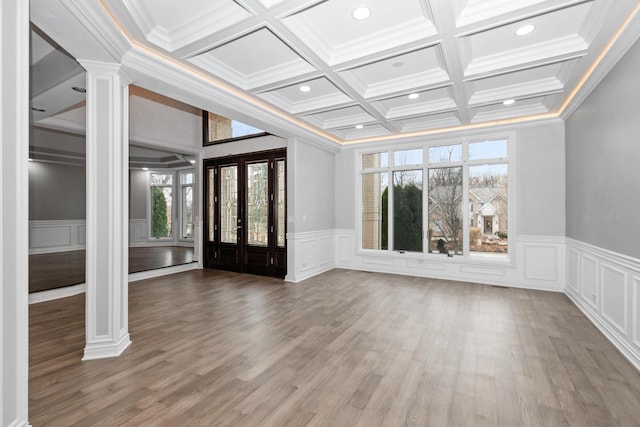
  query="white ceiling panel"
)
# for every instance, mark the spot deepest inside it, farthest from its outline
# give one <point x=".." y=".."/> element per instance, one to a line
<point x="335" y="36"/>
<point x="472" y="11"/>
<point x="316" y="94"/>
<point x="341" y="117"/>
<point x="367" y="131"/>
<point x="524" y="83"/>
<point x="557" y="35"/>
<point x="432" y="121"/>
<point x="172" y="25"/>
<point x="500" y="111"/>
<point x="417" y="103"/>
<point x="419" y="69"/>
<point x="256" y="59"/>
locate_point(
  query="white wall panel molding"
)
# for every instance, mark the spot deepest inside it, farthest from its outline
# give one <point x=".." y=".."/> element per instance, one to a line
<point x="56" y="236"/>
<point x="312" y="253"/>
<point x="538" y="263"/>
<point x="606" y="286"/>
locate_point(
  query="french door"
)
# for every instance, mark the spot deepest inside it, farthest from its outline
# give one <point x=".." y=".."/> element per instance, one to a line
<point x="245" y="224"/>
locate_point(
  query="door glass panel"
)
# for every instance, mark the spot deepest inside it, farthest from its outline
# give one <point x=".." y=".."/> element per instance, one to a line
<point x="257" y="204"/>
<point x="280" y="207"/>
<point x="228" y="204"/>
<point x="211" y="204"/>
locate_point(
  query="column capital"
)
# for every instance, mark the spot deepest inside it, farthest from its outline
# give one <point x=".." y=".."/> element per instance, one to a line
<point x="107" y="68"/>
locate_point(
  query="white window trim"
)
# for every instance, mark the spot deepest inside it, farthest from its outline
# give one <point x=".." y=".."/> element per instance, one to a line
<point x="176" y="208"/>
<point x="467" y="258"/>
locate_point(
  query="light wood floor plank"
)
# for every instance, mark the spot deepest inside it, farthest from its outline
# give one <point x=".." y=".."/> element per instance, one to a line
<point x="346" y="348"/>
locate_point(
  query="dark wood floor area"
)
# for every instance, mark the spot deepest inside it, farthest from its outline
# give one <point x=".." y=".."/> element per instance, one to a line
<point x="345" y="348"/>
<point x="56" y="270"/>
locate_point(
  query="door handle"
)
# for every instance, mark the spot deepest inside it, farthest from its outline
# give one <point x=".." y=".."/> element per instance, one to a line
<point x="238" y="227"/>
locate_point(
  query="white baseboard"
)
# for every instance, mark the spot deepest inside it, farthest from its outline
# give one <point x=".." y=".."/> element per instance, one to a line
<point x="158" y="272"/>
<point x="605" y="285"/>
<point x="19" y="423"/>
<point x="69" y="291"/>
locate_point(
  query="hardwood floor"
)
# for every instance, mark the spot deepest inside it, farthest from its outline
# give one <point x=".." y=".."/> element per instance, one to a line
<point x="59" y="269"/>
<point x="346" y="348"/>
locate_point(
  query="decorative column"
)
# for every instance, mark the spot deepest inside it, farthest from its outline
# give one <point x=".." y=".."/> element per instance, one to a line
<point x="14" y="212"/>
<point x="107" y="299"/>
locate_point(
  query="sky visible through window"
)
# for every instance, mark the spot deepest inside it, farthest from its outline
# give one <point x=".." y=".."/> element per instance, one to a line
<point x="240" y="129"/>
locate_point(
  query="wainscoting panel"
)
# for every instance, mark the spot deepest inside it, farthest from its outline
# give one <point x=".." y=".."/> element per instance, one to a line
<point x="538" y="262"/>
<point x="589" y="280"/>
<point x="636" y="312"/>
<point x="573" y="270"/>
<point x="56" y="236"/>
<point x="614" y="297"/>
<point x="138" y="231"/>
<point x="607" y="293"/>
<point x="309" y="254"/>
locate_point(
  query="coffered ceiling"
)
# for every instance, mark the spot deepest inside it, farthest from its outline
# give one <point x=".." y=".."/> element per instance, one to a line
<point x="411" y="66"/>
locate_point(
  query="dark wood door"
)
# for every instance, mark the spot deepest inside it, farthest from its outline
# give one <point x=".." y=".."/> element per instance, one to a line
<point x="245" y="224"/>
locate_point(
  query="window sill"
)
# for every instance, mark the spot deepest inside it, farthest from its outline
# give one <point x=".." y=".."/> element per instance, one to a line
<point x="475" y="259"/>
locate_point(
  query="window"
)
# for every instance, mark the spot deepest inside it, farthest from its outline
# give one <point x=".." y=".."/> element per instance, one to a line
<point x="218" y="129"/>
<point x="167" y="219"/>
<point x="186" y="204"/>
<point x="463" y="187"/>
<point x="161" y="205"/>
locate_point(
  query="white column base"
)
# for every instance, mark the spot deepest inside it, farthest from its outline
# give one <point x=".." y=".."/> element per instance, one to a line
<point x="103" y="350"/>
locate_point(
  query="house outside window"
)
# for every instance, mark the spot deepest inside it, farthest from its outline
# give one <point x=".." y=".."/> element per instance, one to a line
<point x="433" y="188"/>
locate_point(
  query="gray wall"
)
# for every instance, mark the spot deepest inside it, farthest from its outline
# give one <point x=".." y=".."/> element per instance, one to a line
<point x="138" y="193"/>
<point x="603" y="162"/>
<point x="313" y="186"/>
<point x="56" y="191"/>
<point x="540" y="173"/>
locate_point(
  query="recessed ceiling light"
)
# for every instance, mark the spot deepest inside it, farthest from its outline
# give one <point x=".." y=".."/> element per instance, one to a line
<point x="359" y="126"/>
<point x="525" y="29"/>
<point x="30" y="159"/>
<point x="39" y="110"/>
<point x="193" y="162"/>
<point x="414" y="96"/>
<point x="509" y="102"/>
<point x="305" y="88"/>
<point x="145" y="169"/>
<point x="361" y="13"/>
<point x="79" y="89"/>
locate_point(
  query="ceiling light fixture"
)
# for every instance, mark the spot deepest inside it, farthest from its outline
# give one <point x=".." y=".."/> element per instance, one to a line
<point x="30" y="159"/>
<point x="305" y="88"/>
<point x="145" y="169"/>
<point x="193" y="162"/>
<point x="79" y="89"/>
<point x="361" y="13"/>
<point x="509" y="102"/>
<point x="414" y="96"/>
<point x="525" y="29"/>
<point x="39" y="110"/>
<point x="359" y="126"/>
